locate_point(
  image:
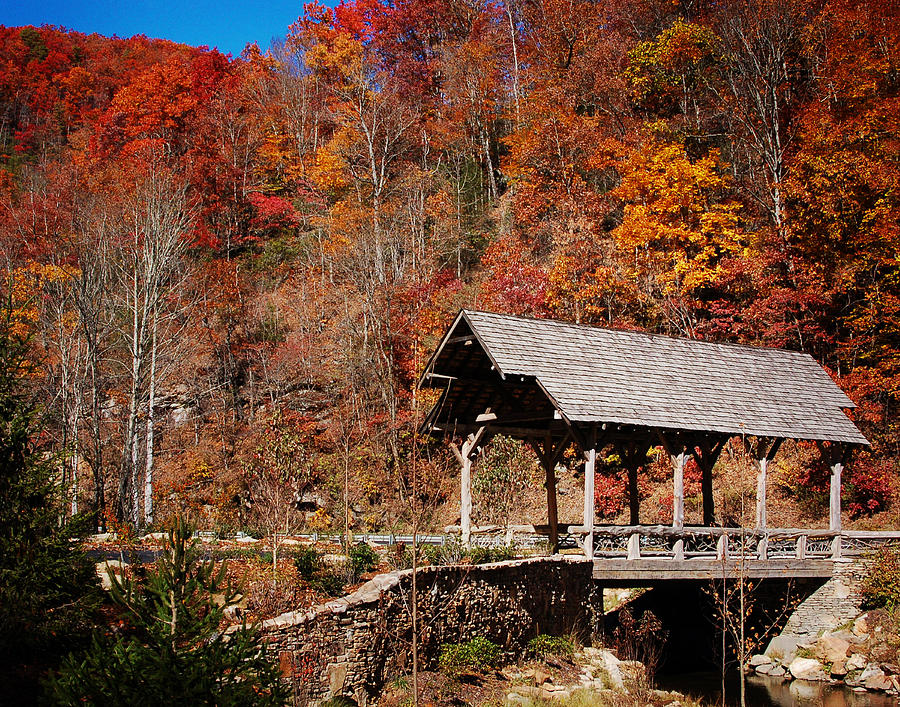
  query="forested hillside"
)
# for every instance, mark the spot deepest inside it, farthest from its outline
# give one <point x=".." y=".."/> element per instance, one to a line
<point x="233" y="270"/>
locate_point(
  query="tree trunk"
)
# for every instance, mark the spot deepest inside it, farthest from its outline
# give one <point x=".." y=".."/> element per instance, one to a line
<point x="148" y="471"/>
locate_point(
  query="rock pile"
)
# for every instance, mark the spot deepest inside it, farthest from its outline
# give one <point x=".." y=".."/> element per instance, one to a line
<point x="601" y="674"/>
<point x="847" y="656"/>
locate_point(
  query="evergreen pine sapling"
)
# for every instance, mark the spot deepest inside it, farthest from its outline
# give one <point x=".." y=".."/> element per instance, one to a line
<point x="176" y="651"/>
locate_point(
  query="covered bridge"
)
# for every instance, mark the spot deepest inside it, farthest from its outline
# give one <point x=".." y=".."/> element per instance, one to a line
<point x="554" y="384"/>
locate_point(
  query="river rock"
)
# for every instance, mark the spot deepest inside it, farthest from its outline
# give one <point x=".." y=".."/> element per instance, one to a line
<point x="807" y="669"/>
<point x="878" y="682"/>
<point x="783" y="648"/>
<point x="831" y="649"/>
<point x="838" y="669"/>
<point x="873" y="678"/>
<point x="609" y="664"/>
<point x="758" y="660"/>
<point x="857" y="661"/>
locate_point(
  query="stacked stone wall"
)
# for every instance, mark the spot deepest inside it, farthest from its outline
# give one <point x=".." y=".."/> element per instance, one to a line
<point x="833" y="604"/>
<point x="353" y="645"/>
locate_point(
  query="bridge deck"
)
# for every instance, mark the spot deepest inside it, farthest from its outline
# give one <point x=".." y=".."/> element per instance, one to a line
<point x="648" y="571"/>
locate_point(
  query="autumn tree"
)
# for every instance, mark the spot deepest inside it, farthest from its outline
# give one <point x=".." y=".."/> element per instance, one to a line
<point x="158" y="218"/>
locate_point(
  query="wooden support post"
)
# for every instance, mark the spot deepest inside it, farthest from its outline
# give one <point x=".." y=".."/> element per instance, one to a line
<point x="634" y="547"/>
<point x="678" y="489"/>
<point x="552" y="511"/>
<point x="549" y="456"/>
<point x="761" y="494"/>
<point x="837" y="455"/>
<point x="678" y="453"/>
<point x="465" y="498"/>
<point x="722" y="547"/>
<point x="834" y="506"/>
<point x="634" y="501"/>
<point x="633" y="454"/>
<point x="763" y="452"/>
<point x="709" y="451"/>
<point x="464" y="455"/>
<point x="836" y="548"/>
<point x="706" y="489"/>
<point x="590" y="461"/>
<point x="801" y="547"/>
<point x="678" y="550"/>
<point x="762" y="548"/>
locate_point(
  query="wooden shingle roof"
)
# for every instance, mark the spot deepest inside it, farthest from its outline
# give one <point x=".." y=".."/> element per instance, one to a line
<point x="595" y="375"/>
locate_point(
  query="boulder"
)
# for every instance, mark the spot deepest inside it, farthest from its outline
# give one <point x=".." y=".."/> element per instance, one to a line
<point x="831" y="649"/>
<point x="609" y="665"/>
<point x="783" y="648"/>
<point x="510" y="672"/>
<point x="102" y="538"/>
<point x="154" y="537"/>
<point x="777" y="671"/>
<point x="878" y="682"/>
<point x="758" y="660"/>
<point x="857" y="661"/>
<point x="838" y="669"/>
<point x="807" y="669"/>
<point x="872" y="670"/>
<point x="861" y="625"/>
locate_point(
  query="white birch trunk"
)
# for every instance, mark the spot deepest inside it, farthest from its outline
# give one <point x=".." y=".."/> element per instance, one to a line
<point x="148" y="470"/>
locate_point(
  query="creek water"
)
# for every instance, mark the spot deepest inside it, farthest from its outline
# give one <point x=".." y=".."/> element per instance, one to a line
<point x="770" y="692"/>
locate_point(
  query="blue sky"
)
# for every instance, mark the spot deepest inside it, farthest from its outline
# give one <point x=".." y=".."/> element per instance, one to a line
<point x="226" y="24"/>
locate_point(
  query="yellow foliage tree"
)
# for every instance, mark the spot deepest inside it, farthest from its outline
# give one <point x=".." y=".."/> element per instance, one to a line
<point x="678" y="228"/>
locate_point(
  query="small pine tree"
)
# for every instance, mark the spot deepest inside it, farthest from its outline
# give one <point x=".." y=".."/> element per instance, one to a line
<point x="176" y="652"/>
<point x="48" y="587"/>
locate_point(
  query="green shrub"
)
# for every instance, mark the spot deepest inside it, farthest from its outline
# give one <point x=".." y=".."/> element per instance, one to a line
<point x="308" y="561"/>
<point x="471" y="655"/>
<point x="328" y="582"/>
<point x="362" y="559"/>
<point x="881" y="585"/>
<point x="544" y="646"/>
<point x="316" y="574"/>
<point x="450" y="553"/>
<point x="482" y="555"/>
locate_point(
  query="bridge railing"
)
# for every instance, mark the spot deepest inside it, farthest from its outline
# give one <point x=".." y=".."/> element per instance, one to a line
<point x="657" y="541"/>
